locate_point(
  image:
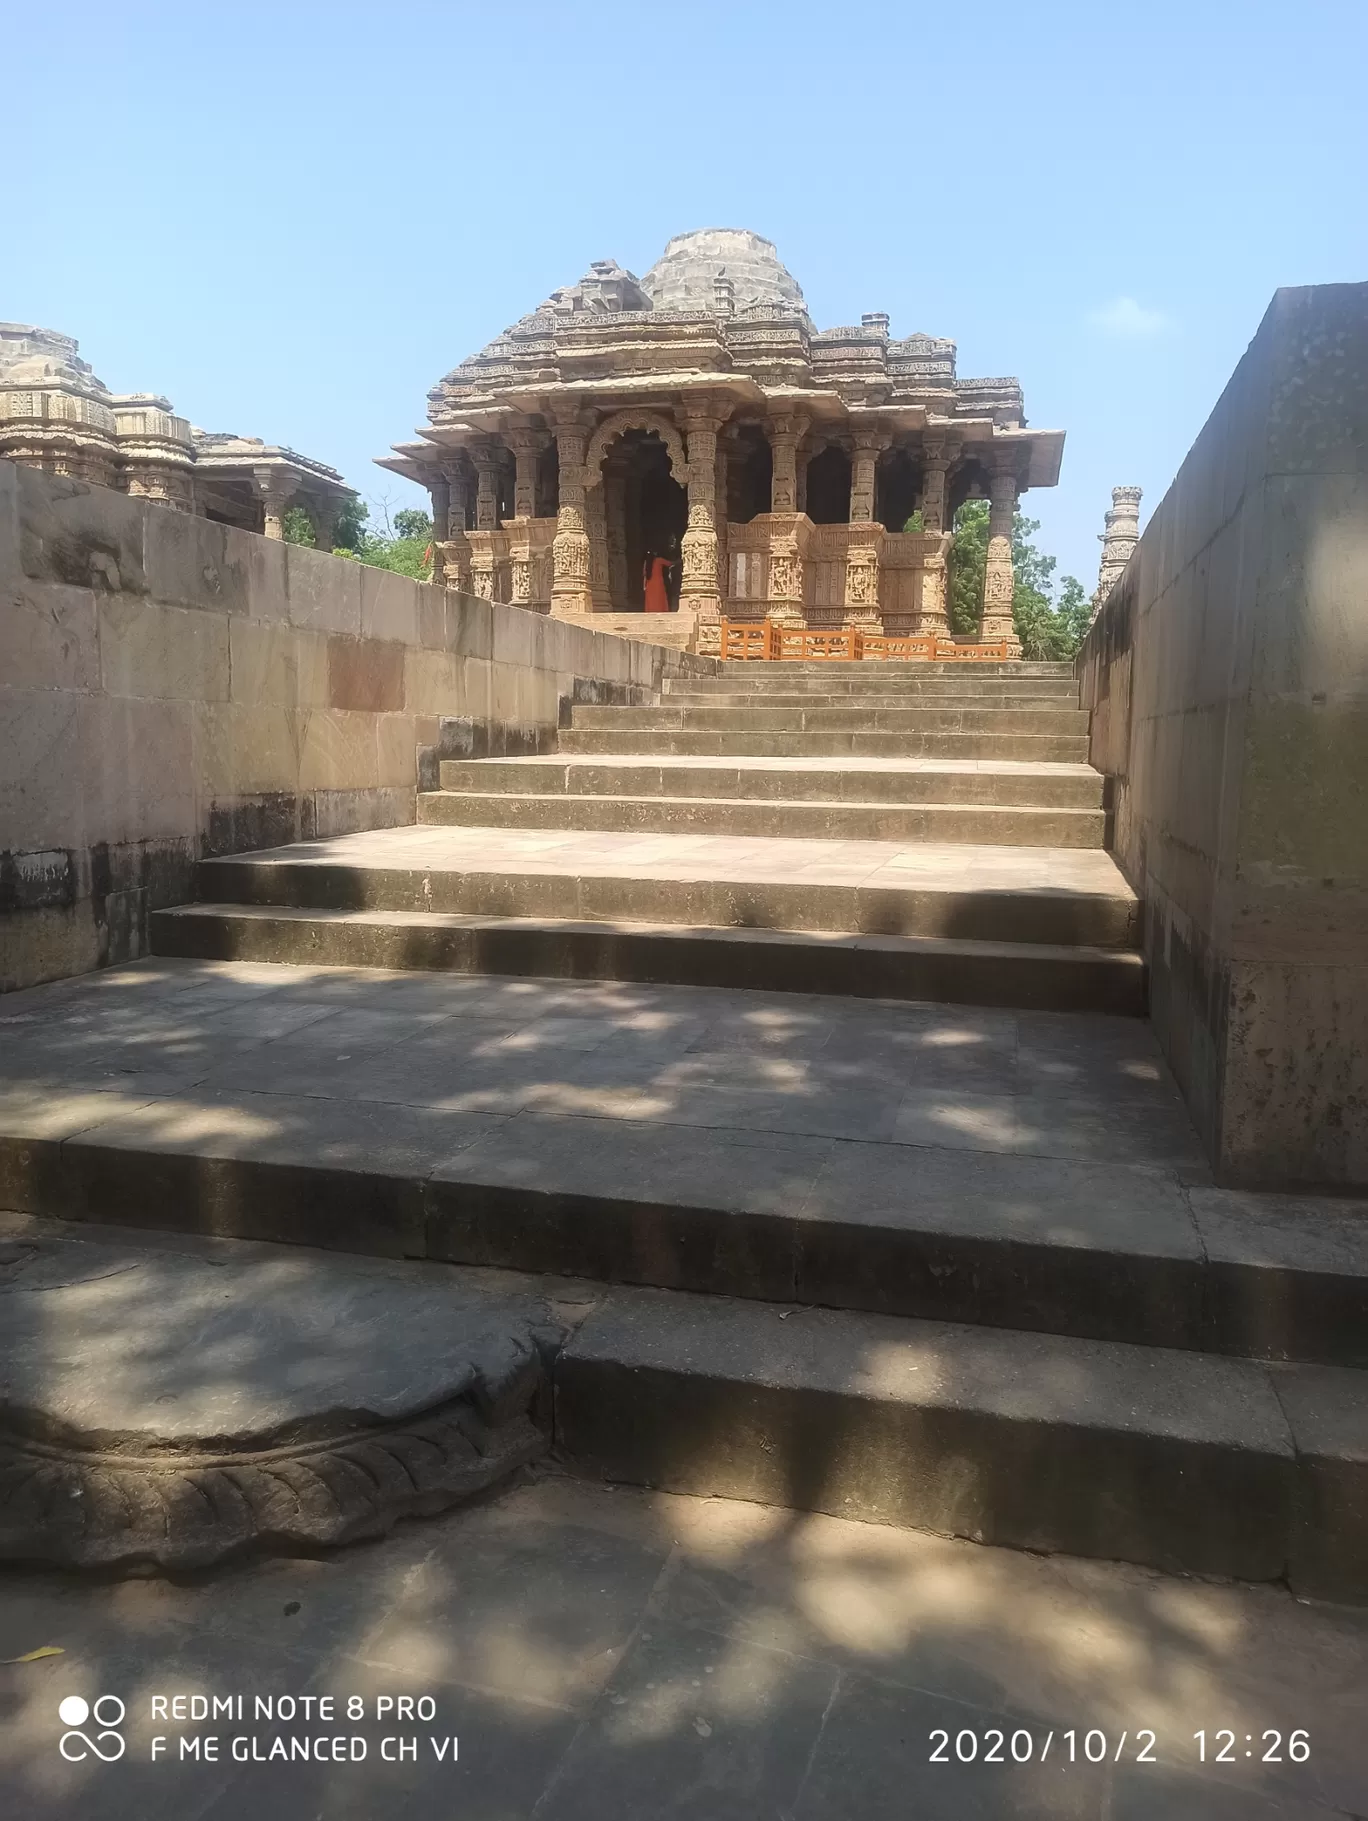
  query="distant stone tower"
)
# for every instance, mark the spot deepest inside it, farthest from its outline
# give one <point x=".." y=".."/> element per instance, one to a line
<point x="1118" y="540"/>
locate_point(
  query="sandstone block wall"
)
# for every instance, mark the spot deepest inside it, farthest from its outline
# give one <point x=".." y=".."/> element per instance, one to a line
<point x="171" y="688"/>
<point x="1228" y="678"/>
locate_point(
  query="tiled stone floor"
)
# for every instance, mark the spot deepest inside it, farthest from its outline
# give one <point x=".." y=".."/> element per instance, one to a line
<point x="275" y="1048"/>
<point x="624" y="1656"/>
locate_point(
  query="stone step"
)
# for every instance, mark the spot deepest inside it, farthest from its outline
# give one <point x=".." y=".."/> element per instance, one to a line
<point x="1032" y="976"/>
<point x="778" y="780"/>
<point x="978" y="824"/>
<point x="898" y="1354"/>
<point x="1180" y="1461"/>
<point x="870" y="703"/>
<point x="913" y="669"/>
<point x="1050" y="748"/>
<point x="1059" y="896"/>
<point x="762" y="685"/>
<point x="821" y="719"/>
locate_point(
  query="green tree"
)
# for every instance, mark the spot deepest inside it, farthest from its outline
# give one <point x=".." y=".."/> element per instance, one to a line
<point x="348" y="530"/>
<point x="1047" y="630"/>
<point x="297" y="526"/>
<point x="968" y="560"/>
<point x="404" y="545"/>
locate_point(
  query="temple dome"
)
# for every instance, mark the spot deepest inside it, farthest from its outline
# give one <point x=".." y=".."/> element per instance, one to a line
<point x="684" y="276"/>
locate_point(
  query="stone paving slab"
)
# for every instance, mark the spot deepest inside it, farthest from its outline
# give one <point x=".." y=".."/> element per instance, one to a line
<point x="663" y="1646"/>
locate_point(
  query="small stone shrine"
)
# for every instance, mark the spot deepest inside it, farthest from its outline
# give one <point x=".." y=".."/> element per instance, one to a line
<point x="804" y="476"/>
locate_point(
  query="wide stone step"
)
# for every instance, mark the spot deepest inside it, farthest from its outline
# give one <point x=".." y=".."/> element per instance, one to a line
<point x="1031" y="976"/>
<point x="847" y="700"/>
<point x="779" y="781"/>
<point x="1058" y="896"/>
<point x="822" y="719"/>
<point x="1178" y="1460"/>
<point x="756" y="685"/>
<point x="914" y="669"/>
<point x="830" y="742"/>
<point x="974" y="823"/>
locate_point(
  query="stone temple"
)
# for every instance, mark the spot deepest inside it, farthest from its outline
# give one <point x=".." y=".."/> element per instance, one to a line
<point x="799" y="475"/>
<point x="56" y="415"/>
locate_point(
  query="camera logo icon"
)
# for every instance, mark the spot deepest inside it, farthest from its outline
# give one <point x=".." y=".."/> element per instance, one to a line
<point x="107" y="1711"/>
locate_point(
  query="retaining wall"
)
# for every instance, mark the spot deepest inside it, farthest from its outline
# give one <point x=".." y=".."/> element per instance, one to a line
<point x="1228" y="679"/>
<point x="172" y="688"/>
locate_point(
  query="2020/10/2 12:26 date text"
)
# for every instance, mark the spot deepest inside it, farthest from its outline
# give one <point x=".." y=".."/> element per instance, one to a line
<point x="1071" y="1746"/>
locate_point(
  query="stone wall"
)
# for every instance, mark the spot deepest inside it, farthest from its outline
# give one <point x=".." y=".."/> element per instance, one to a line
<point x="1228" y="678"/>
<point x="172" y="688"/>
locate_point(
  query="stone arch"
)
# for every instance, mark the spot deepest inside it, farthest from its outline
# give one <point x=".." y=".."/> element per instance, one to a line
<point x="618" y="425"/>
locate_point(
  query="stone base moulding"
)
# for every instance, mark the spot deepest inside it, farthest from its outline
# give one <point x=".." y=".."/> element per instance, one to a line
<point x="335" y="1405"/>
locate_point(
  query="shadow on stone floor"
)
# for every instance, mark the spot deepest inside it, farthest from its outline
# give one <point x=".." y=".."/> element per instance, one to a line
<point x="613" y="1653"/>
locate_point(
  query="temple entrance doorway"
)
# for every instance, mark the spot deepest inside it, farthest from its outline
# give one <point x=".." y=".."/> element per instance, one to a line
<point x="647" y="514"/>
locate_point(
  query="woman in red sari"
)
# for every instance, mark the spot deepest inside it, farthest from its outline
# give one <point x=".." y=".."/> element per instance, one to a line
<point x="655" y="574"/>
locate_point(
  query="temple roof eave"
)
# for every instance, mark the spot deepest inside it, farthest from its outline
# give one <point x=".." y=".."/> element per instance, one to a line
<point x="1046" y="453"/>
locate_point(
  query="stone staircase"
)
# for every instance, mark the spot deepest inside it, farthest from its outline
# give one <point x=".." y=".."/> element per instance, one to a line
<point x="799" y="1022"/>
<point x="901" y="830"/>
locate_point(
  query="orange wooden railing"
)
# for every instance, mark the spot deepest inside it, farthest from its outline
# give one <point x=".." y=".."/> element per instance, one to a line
<point x="764" y="640"/>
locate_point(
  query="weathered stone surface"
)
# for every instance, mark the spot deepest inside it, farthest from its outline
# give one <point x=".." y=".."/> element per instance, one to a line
<point x="366" y="674"/>
<point x="163" y="652"/>
<point x="169" y="1411"/>
<point x="48" y="637"/>
<point x="1226" y="675"/>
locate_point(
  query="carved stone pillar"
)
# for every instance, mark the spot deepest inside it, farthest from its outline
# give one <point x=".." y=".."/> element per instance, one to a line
<point x="868" y="444"/>
<point x="932" y="615"/>
<point x="596" y="529"/>
<point x="786" y="583"/>
<point x="862" y="578"/>
<point x="527" y="446"/>
<point x="615" y="512"/>
<point x="520" y="591"/>
<point x="699" y="586"/>
<point x="570" y="550"/>
<point x="786" y="432"/>
<point x="1118" y="542"/>
<point x="487" y="492"/>
<point x="937" y="461"/>
<point x="439" y="492"/>
<point x="998" y="578"/>
<point x="275" y="491"/>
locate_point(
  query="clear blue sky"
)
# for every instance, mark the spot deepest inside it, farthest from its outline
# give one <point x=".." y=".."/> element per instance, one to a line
<point x="293" y="218"/>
